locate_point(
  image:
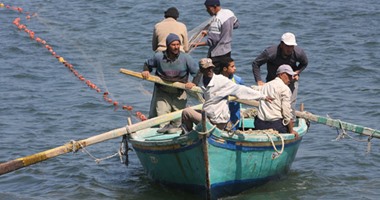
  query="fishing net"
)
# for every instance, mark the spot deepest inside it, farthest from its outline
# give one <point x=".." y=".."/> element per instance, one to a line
<point x="195" y="35"/>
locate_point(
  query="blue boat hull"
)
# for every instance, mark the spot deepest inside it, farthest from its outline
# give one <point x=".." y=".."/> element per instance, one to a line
<point x="216" y="165"/>
<point x="235" y="168"/>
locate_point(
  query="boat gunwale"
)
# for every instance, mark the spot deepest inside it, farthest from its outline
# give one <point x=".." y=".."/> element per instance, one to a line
<point x="260" y="139"/>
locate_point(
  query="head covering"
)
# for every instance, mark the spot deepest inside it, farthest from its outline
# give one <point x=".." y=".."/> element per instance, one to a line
<point x="205" y="63"/>
<point x="289" y="39"/>
<point x="172" y="12"/>
<point x="212" y="3"/>
<point x="171" y="38"/>
<point x="285" y="68"/>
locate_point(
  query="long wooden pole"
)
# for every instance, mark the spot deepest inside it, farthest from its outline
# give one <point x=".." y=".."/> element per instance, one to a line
<point x="326" y="121"/>
<point x="156" y="79"/>
<point x="76" y="145"/>
<point x="339" y="124"/>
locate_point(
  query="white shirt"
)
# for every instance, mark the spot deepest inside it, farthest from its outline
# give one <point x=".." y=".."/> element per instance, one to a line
<point x="280" y="107"/>
<point x="217" y="92"/>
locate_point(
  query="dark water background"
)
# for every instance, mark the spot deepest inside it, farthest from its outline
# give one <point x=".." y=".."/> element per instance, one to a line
<point x="43" y="105"/>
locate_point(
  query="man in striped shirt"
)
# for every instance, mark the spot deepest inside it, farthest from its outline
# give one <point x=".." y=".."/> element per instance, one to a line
<point x="219" y="34"/>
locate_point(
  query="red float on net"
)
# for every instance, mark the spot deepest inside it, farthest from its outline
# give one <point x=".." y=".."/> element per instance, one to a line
<point x="91" y="85"/>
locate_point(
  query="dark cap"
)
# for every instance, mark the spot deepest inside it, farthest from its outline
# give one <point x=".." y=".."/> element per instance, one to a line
<point x="212" y="3"/>
<point x="172" y="12"/>
<point x="171" y="38"/>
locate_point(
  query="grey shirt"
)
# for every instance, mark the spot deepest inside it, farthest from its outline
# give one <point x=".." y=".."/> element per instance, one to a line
<point x="220" y="33"/>
<point x="272" y="57"/>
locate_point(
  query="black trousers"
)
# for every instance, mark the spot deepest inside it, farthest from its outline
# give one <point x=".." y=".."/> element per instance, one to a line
<point x="216" y="61"/>
<point x="276" y="125"/>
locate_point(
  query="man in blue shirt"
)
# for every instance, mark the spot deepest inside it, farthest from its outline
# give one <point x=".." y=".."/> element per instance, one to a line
<point x="175" y="66"/>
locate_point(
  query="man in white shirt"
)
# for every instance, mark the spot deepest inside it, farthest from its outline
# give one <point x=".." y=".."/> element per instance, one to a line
<point x="277" y="115"/>
<point x="216" y="89"/>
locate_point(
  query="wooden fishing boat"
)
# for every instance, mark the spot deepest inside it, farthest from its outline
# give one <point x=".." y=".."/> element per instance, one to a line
<point x="215" y="163"/>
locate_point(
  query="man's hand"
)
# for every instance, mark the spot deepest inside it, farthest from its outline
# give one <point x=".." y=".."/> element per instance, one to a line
<point x="260" y="83"/>
<point x="269" y="99"/>
<point x="296" y="136"/>
<point x="145" y="74"/>
<point x="296" y="75"/>
<point x="189" y="85"/>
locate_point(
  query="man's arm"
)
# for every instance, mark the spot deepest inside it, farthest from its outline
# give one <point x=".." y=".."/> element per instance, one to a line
<point x="302" y="59"/>
<point x="256" y="64"/>
<point x="185" y="40"/>
<point x="291" y="130"/>
<point x="154" y="40"/>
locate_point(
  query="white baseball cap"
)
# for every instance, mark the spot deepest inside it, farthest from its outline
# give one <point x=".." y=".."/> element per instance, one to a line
<point x="289" y="39"/>
<point x="285" y="68"/>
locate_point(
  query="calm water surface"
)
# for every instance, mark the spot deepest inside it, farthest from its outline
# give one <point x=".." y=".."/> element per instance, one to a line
<point x="43" y="105"/>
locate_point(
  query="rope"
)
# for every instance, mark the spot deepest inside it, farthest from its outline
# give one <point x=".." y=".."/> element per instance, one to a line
<point x="97" y="160"/>
<point x="207" y="131"/>
<point x="277" y="153"/>
<point x="343" y="133"/>
<point x="369" y="145"/>
<point x="242" y="122"/>
<point x="123" y="150"/>
<point x="230" y="132"/>
<point x="73" y="144"/>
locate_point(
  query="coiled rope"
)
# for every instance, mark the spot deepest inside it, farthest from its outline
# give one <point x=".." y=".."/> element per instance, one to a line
<point x="277" y="153"/>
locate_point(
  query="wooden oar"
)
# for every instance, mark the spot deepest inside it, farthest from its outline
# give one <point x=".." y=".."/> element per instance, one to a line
<point x="76" y="145"/>
<point x="156" y="79"/>
<point x="339" y="124"/>
<point x="325" y="120"/>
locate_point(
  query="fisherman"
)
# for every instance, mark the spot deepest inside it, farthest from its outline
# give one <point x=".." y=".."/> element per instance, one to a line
<point x="287" y="52"/>
<point x="216" y="89"/>
<point x="175" y="66"/>
<point x="219" y="34"/>
<point x="228" y="67"/>
<point x="170" y="25"/>
<point x="277" y="115"/>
